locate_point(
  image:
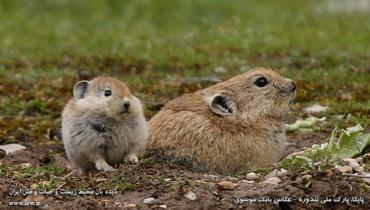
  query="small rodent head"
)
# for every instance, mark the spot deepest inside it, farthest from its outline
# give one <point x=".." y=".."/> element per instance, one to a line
<point x="253" y="95"/>
<point x="106" y="96"/>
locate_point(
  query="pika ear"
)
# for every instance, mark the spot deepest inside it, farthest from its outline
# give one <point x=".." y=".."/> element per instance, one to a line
<point x="222" y="105"/>
<point x="80" y="88"/>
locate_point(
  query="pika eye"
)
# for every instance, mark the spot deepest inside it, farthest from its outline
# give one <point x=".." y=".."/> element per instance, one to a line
<point x="107" y="93"/>
<point x="262" y="81"/>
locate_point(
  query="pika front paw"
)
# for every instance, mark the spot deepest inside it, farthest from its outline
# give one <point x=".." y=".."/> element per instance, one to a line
<point x="101" y="165"/>
<point x="132" y="158"/>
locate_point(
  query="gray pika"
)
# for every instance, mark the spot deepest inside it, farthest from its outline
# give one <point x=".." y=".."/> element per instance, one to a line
<point x="103" y="124"/>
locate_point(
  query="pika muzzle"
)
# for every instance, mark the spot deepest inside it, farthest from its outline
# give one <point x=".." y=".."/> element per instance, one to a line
<point x="126" y="106"/>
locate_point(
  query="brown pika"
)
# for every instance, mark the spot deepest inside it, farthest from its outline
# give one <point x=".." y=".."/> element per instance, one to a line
<point x="103" y="124"/>
<point x="235" y="125"/>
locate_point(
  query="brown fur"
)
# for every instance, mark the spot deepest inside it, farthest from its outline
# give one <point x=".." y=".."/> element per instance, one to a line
<point x="253" y="135"/>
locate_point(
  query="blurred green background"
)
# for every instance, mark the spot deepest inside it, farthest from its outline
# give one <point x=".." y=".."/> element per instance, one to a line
<point x="48" y="45"/>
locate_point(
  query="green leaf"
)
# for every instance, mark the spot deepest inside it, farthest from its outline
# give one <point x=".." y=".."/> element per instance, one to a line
<point x="350" y="143"/>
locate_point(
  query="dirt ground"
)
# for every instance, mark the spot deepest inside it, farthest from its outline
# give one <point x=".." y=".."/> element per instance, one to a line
<point x="168" y="185"/>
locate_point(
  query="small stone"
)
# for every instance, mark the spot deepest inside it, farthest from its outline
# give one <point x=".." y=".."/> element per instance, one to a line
<point x="352" y="162"/>
<point x="329" y="173"/>
<point x="230" y="178"/>
<point x="344" y="169"/>
<point x="130" y="205"/>
<point x="271" y="181"/>
<point x="247" y="181"/>
<point x="167" y="179"/>
<point x="163" y="206"/>
<point x="252" y="176"/>
<point x="282" y="172"/>
<point x="11" y="148"/>
<point x="149" y="200"/>
<point x="26" y="165"/>
<point x="226" y="185"/>
<point x="191" y="196"/>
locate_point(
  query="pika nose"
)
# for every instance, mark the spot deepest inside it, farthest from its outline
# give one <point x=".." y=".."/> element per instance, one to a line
<point x="292" y="86"/>
<point x="126" y="106"/>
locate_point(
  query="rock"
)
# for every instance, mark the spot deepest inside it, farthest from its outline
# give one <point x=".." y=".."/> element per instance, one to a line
<point x="163" y="206"/>
<point x="226" y="185"/>
<point x="230" y="178"/>
<point x="130" y="205"/>
<point x="11" y="148"/>
<point x="281" y="172"/>
<point x="329" y="173"/>
<point x="344" y="169"/>
<point x="352" y="163"/>
<point x="149" y="200"/>
<point x="271" y="181"/>
<point x="117" y="203"/>
<point x="26" y="165"/>
<point x="315" y="109"/>
<point x="277" y="172"/>
<point x="252" y="176"/>
<point x="167" y="179"/>
<point x="247" y="181"/>
<point x="191" y="196"/>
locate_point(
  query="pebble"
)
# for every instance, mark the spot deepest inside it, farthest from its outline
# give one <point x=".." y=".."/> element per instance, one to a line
<point x="252" y="176"/>
<point x="26" y="165"/>
<point x="247" y="181"/>
<point x="130" y="205"/>
<point x="191" y="196"/>
<point x="282" y="172"/>
<point x="278" y="172"/>
<point x="352" y="162"/>
<point x="149" y="200"/>
<point x="271" y="181"/>
<point x="163" y="206"/>
<point x="226" y="185"/>
<point x="11" y="148"/>
<point x="230" y="178"/>
<point x="344" y="169"/>
<point x="167" y="179"/>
